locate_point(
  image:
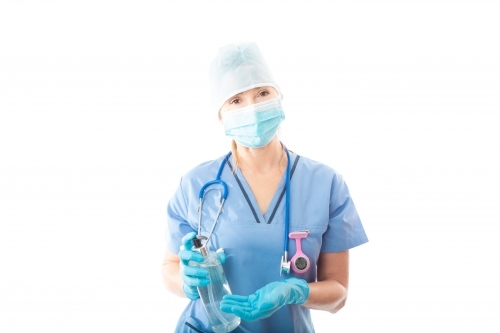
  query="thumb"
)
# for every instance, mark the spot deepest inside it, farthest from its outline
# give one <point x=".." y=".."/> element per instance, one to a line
<point x="221" y="255"/>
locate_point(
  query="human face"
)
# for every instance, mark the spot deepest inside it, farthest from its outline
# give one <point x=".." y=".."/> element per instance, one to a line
<point x="249" y="97"/>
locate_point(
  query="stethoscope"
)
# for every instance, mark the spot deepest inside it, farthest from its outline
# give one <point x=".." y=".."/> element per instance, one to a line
<point x="223" y="197"/>
<point x="299" y="263"/>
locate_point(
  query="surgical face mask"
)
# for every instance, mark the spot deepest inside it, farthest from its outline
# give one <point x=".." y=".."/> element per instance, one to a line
<point x="254" y="126"/>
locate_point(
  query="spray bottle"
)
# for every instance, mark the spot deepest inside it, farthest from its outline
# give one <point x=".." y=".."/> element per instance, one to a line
<point x="211" y="295"/>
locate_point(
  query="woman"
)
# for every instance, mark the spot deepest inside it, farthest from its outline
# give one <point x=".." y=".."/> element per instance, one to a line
<point x="252" y="225"/>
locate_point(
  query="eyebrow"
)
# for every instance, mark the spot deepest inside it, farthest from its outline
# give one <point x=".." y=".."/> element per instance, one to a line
<point x="237" y="95"/>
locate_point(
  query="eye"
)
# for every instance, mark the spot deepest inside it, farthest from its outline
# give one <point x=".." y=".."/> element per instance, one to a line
<point x="235" y="101"/>
<point x="263" y="93"/>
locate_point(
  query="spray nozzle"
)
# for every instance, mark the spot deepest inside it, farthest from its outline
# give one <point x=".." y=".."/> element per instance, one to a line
<point x="199" y="246"/>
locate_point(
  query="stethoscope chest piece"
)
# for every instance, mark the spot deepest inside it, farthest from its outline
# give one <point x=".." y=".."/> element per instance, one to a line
<point x="285" y="265"/>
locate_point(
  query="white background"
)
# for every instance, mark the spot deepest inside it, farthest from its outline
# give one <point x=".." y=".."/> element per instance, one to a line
<point x="104" y="105"/>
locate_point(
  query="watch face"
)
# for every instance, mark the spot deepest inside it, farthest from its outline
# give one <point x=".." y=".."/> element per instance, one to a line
<point x="301" y="263"/>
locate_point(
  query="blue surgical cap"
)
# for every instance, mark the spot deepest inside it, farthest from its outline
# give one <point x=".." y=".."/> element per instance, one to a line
<point x="237" y="68"/>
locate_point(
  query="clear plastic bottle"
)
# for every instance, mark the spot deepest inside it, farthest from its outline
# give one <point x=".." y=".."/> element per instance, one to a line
<point x="211" y="295"/>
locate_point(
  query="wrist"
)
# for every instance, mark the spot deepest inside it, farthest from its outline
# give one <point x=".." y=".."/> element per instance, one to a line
<point x="299" y="290"/>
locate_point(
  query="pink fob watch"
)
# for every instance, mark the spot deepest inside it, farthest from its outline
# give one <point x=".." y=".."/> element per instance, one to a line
<point x="300" y="262"/>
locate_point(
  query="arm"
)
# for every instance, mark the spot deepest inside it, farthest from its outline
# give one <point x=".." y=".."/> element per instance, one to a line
<point x="177" y="278"/>
<point x="330" y="292"/>
<point x="170" y="271"/>
<point x="344" y="232"/>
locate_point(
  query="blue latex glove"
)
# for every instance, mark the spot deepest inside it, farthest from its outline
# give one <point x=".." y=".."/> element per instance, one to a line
<point x="194" y="276"/>
<point x="266" y="300"/>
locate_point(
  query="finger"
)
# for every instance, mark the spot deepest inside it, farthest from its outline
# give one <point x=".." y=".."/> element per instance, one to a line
<point x="187" y="255"/>
<point x="226" y="308"/>
<point x="187" y="240"/>
<point x="235" y="298"/>
<point x="195" y="282"/>
<point x="237" y="304"/>
<point x="245" y="314"/>
<point x="235" y="309"/>
<point x="195" y="271"/>
<point x="190" y="292"/>
<point x="221" y="255"/>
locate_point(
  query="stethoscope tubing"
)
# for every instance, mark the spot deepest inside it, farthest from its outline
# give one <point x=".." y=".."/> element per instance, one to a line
<point x="204" y="191"/>
<point x="287" y="201"/>
<point x="218" y="181"/>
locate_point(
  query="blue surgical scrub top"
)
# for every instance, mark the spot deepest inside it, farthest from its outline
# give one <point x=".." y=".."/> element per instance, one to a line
<point x="254" y="243"/>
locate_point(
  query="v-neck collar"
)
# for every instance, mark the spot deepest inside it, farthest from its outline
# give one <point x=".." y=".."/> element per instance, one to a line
<point x="250" y="198"/>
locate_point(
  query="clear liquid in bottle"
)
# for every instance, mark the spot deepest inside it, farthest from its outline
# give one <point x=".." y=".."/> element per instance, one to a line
<point x="211" y="296"/>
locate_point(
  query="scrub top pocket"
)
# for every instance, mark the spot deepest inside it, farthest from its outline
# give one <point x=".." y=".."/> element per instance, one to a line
<point x="191" y="325"/>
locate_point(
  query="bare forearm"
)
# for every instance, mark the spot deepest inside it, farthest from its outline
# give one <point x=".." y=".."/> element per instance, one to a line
<point x="327" y="295"/>
<point x="172" y="278"/>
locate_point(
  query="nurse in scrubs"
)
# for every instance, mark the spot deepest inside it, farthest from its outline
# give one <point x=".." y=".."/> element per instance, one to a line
<point x="251" y="227"/>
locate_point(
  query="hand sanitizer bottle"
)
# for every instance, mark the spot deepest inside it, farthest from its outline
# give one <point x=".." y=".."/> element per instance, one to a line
<point x="211" y="295"/>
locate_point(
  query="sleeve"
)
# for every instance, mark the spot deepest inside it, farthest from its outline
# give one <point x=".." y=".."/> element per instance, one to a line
<point x="344" y="230"/>
<point x="177" y="225"/>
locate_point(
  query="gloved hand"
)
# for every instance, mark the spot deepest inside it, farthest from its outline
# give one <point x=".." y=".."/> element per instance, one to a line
<point x="194" y="276"/>
<point x="266" y="300"/>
